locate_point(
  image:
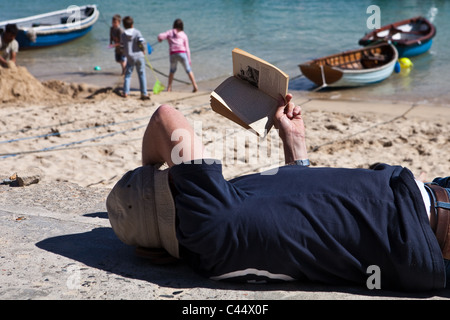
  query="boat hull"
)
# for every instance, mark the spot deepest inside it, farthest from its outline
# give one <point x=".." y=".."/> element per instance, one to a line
<point x="411" y="51"/>
<point x="53" y="28"/>
<point x="357" y="79"/>
<point x="411" y="37"/>
<point x="326" y="72"/>
<point x="48" y="40"/>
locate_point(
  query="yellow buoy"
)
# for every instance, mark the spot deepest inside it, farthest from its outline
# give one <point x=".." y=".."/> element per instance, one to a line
<point x="405" y="62"/>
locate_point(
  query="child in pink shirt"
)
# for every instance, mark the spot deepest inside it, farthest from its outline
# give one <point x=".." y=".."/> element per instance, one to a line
<point x="179" y="52"/>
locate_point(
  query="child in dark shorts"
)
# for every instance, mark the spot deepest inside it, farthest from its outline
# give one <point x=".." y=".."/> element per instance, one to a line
<point x="114" y="41"/>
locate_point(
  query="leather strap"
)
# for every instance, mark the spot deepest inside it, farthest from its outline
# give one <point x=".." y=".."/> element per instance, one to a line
<point x="433" y="213"/>
<point x="440" y="205"/>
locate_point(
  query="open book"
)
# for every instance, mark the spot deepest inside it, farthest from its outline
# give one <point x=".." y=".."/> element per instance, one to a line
<point x="250" y="97"/>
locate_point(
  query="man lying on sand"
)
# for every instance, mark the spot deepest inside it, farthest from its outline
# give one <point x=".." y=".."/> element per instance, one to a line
<point x="330" y="225"/>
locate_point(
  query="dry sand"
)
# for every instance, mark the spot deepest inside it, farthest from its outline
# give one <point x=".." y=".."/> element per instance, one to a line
<point x="90" y="136"/>
<point x="82" y="139"/>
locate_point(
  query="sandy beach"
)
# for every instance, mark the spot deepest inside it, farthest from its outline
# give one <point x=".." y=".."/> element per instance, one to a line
<point x="80" y="139"/>
<point x="90" y="136"/>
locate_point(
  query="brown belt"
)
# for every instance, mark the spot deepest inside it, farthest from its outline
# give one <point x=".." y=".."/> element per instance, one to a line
<point x="440" y="216"/>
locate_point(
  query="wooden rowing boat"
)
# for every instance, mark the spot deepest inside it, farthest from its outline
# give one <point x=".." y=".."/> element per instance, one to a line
<point x="55" y="27"/>
<point x="352" y="68"/>
<point x="411" y="37"/>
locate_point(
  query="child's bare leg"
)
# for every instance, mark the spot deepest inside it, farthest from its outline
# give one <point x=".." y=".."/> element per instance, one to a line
<point x="169" y="84"/>
<point x="194" y="84"/>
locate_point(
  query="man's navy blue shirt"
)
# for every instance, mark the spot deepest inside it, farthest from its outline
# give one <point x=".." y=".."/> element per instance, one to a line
<point x="321" y="224"/>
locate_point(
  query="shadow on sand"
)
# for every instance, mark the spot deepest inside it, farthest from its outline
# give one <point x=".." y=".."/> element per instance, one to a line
<point x="101" y="249"/>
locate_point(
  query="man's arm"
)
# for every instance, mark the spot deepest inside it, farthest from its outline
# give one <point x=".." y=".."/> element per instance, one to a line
<point x="289" y="122"/>
<point x="171" y="139"/>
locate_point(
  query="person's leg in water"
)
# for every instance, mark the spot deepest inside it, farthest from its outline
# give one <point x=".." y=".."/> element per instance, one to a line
<point x="184" y="60"/>
<point x="194" y="84"/>
<point x="173" y="68"/>
<point x="126" y="83"/>
<point x="140" y="67"/>
<point x="181" y="57"/>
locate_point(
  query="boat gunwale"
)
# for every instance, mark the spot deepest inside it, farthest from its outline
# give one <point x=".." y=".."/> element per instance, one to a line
<point x="84" y="23"/>
<point x="356" y="71"/>
<point x="370" y="37"/>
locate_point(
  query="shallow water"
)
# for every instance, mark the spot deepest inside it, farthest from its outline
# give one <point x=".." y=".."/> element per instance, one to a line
<point x="285" y="33"/>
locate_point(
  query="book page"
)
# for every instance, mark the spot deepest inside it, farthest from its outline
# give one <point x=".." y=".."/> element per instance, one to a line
<point x="245" y="100"/>
<point x="220" y="106"/>
<point x="260" y="73"/>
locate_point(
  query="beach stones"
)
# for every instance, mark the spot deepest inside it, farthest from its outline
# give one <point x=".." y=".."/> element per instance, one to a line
<point x="25" y="178"/>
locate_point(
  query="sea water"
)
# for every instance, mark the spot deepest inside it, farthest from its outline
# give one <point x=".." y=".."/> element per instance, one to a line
<point x="283" y="32"/>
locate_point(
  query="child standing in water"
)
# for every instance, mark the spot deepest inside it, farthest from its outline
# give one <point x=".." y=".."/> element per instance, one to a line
<point x="134" y="44"/>
<point x="179" y="52"/>
<point x="115" y="33"/>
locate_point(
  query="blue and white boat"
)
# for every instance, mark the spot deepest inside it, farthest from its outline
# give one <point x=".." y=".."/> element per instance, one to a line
<point x="353" y="68"/>
<point x="411" y="37"/>
<point x="54" y="28"/>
